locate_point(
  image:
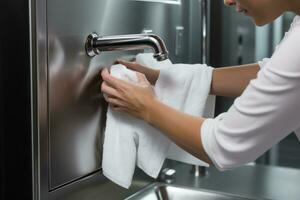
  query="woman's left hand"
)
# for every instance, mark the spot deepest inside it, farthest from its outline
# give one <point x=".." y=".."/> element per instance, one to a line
<point x="127" y="97"/>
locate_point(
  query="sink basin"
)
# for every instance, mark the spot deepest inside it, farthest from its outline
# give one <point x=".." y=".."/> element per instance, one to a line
<point x="161" y="191"/>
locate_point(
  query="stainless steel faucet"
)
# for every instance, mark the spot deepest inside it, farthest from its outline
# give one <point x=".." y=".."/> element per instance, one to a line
<point x="96" y="44"/>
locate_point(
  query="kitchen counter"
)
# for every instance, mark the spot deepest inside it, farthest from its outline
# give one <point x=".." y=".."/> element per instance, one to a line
<point x="257" y="182"/>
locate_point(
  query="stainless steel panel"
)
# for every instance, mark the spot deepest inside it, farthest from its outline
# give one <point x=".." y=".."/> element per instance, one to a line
<point x="255" y="182"/>
<point x="76" y="108"/>
<point x="172" y="192"/>
<point x="163" y="1"/>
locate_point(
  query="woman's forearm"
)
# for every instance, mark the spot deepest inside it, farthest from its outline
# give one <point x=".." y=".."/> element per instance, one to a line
<point x="226" y="81"/>
<point x="231" y="81"/>
<point x="181" y="128"/>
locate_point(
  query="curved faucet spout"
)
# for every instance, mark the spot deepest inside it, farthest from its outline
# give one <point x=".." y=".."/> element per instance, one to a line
<point x="96" y="44"/>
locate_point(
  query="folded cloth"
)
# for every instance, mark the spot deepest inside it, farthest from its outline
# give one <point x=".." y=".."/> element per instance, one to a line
<point x="129" y="141"/>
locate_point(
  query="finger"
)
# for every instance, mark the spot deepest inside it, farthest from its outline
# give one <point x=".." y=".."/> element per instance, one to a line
<point x="114" y="107"/>
<point x="122" y="109"/>
<point x="116" y="102"/>
<point x="104" y="72"/>
<point x="130" y="65"/>
<point x="107" y="96"/>
<point x="142" y="78"/>
<point x="119" y="109"/>
<point x="114" y="82"/>
<point x="110" y="91"/>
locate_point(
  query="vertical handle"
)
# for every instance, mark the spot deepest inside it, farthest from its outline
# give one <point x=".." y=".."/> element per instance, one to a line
<point x="204" y="33"/>
<point x="203" y="4"/>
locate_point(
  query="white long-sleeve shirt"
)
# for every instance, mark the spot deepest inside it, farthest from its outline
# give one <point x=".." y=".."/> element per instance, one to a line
<point x="266" y="112"/>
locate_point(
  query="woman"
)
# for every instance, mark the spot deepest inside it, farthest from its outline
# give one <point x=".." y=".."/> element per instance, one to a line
<point x="266" y="110"/>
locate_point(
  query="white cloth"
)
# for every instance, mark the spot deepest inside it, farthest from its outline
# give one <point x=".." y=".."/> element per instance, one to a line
<point x="188" y="87"/>
<point x="266" y="112"/>
<point x="129" y="141"/>
<point x="175" y="152"/>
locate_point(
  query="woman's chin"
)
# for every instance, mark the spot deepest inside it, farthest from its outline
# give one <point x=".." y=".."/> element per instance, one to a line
<point x="266" y="19"/>
<point x="259" y="22"/>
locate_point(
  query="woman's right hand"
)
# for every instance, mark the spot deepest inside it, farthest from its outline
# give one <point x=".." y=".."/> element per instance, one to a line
<point x="151" y="74"/>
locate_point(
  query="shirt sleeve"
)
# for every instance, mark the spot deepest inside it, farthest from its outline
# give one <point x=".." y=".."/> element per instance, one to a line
<point x="266" y="112"/>
<point x="263" y="62"/>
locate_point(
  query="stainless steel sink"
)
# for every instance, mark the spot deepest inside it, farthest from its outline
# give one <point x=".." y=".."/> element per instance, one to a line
<point x="161" y="191"/>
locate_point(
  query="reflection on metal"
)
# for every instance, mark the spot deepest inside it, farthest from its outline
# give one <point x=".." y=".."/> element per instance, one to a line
<point x="204" y="24"/>
<point x="96" y="44"/>
<point x="162" y="1"/>
<point x="197" y="170"/>
<point x="179" y="40"/>
<point x="159" y="191"/>
<point x="70" y="111"/>
<point x="147" y="31"/>
<point x="167" y="175"/>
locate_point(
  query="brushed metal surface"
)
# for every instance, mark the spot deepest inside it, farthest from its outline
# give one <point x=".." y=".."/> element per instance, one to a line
<point x="76" y="107"/>
<point x="163" y="1"/>
<point x="159" y="191"/>
<point x="255" y="182"/>
<point x="69" y="111"/>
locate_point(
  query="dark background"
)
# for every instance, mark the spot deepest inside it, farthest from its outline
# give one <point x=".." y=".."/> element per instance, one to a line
<point x="15" y="103"/>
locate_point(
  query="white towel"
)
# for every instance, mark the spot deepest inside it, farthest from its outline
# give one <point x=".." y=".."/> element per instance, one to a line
<point x="175" y="152"/>
<point x="129" y="141"/>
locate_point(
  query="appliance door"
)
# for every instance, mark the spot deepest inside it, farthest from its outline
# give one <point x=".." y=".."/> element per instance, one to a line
<point x="76" y="109"/>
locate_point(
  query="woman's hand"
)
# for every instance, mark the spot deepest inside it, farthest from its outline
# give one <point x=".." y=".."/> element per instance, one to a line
<point x="151" y="74"/>
<point x="139" y="101"/>
<point x="127" y="97"/>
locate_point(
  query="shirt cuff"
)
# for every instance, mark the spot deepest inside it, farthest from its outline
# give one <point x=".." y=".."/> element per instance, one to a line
<point x="263" y="62"/>
<point x="208" y="141"/>
<point x="206" y="138"/>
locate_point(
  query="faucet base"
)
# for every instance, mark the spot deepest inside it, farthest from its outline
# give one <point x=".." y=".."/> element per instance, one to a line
<point x="89" y="49"/>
